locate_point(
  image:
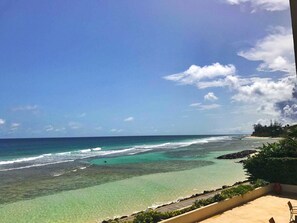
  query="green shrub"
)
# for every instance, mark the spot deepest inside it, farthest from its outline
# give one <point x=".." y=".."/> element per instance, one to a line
<point x="259" y="183"/>
<point x="148" y="217"/>
<point x="218" y="198"/>
<point x="276" y="162"/>
<point x="239" y="190"/>
<point x="280" y="170"/>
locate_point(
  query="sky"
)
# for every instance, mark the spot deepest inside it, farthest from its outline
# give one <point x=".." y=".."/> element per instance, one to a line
<point x="107" y="68"/>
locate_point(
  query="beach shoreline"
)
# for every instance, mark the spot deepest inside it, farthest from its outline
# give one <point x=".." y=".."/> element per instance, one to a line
<point x="264" y="138"/>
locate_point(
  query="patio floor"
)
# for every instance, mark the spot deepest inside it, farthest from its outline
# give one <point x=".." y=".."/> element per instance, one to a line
<point x="259" y="210"/>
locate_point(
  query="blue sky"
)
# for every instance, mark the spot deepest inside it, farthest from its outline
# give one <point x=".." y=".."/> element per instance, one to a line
<point x="98" y="68"/>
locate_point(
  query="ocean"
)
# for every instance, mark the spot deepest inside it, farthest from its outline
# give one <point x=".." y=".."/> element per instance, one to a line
<point x="94" y="178"/>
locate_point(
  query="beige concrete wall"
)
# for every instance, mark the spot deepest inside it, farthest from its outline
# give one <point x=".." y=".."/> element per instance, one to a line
<point x="289" y="188"/>
<point x="216" y="208"/>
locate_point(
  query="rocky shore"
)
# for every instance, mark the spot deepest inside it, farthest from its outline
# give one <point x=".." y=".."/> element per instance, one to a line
<point x="237" y="155"/>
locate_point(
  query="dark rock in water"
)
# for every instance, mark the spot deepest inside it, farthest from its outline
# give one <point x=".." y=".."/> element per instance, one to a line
<point x="237" y="155"/>
<point x="240" y="161"/>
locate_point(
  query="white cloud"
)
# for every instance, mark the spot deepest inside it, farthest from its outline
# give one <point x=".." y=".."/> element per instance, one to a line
<point x="271" y="90"/>
<point x="275" y="51"/>
<point x="194" y="104"/>
<point x="263" y="121"/>
<point x="196" y="73"/>
<point x="290" y="110"/>
<point x="269" y="5"/>
<point x="259" y="94"/>
<point x="116" y="130"/>
<point x="62" y="129"/>
<point x="26" y="108"/>
<point x="98" y="128"/>
<point x="129" y="119"/>
<point x="264" y="94"/>
<point x="15" y="126"/>
<point x="216" y="75"/>
<point x="210" y="96"/>
<point x="74" y="125"/>
<point x="49" y="128"/>
<point x="202" y="107"/>
<point x="2" y="121"/>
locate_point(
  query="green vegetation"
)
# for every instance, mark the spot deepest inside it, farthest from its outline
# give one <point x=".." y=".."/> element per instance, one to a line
<point x="276" y="162"/>
<point x="274" y="130"/>
<point x="152" y="216"/>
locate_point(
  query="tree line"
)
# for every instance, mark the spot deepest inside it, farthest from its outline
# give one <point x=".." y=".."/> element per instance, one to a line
<point x="275" y="129"/>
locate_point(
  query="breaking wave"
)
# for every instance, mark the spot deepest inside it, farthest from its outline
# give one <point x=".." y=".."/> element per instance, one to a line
<point x="70" y="156"/>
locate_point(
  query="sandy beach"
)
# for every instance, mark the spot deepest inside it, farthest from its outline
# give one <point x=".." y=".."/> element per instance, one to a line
<point x="264" y="138"/>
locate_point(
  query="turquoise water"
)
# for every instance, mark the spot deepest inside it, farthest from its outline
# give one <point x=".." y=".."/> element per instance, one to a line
<point x="122" y="197"/>
<point x="91" y="189"/>
<point x="139" y="158"/>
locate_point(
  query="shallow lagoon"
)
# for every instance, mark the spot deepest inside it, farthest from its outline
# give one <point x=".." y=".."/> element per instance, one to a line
<point x="95" y="189"/>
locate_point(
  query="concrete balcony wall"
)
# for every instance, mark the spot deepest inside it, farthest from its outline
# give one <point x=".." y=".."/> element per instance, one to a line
<point x="219" y="207"/>
<point x="289" y="188"/>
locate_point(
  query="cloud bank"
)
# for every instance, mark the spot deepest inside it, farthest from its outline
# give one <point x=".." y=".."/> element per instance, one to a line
<point x="275" y="97"/>
<point x="268" y="5"/>
<point x="275" y="51"/>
